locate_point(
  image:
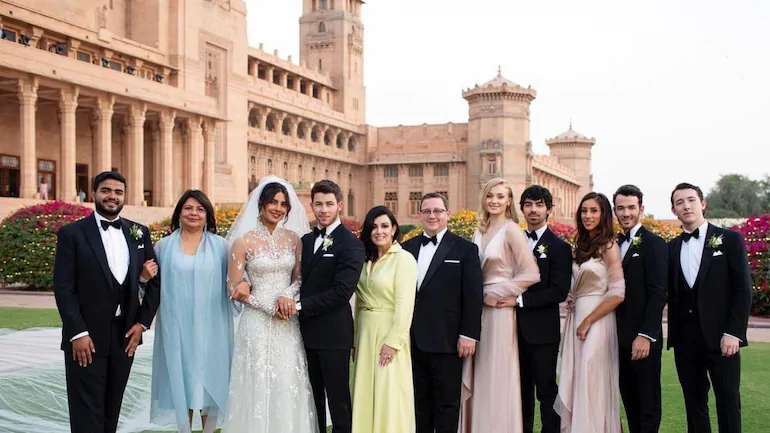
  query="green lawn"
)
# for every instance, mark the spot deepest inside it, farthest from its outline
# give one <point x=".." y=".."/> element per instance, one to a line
<point x="755" y="377"/>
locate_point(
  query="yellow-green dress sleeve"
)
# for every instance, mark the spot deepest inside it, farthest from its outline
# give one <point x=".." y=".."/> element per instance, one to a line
<point x="405" y="286"/>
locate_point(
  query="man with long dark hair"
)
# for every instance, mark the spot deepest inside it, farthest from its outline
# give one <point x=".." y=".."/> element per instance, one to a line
<point x="709" y="300"/>
<point x="639" y="317"/>
<point x="100" y="262"/>
<point x="538" y="311"/>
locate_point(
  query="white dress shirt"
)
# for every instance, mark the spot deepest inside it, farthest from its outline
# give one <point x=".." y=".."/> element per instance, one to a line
<point x="116" y="250"/>
<point x="691" y="255"/>
<point x="424" y="259"/>
<point x="627" y="243"/>
<point x="319" y="240"/>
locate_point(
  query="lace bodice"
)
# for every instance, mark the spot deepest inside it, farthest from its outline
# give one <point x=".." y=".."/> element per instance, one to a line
<point x="271" y="264"/>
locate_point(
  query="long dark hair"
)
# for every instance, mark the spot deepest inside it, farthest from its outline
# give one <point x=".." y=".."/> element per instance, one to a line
<point x="200" y="197"/>
<point x="586" y="245"/>
<point x="269" y="192"/>
<point x="366" y="231"/>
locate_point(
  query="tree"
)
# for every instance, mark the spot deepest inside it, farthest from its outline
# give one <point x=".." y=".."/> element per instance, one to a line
<point x="764" y="185"/>
<point x="734" y="196"/>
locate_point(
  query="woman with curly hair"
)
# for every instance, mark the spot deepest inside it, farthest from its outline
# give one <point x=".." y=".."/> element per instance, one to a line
<point x="588" y="374"/>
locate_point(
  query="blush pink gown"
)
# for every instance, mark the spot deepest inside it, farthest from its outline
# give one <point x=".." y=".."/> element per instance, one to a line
<point x="588" y="371"/>
<point x="491" y="395"/>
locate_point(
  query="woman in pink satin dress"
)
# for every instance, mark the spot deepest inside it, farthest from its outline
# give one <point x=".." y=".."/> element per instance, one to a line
<point x="491" y="400"/>
<point x="588" y="372"/>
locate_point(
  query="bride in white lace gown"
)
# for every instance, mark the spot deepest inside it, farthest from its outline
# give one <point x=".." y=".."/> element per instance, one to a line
<point x="269" y="387"/>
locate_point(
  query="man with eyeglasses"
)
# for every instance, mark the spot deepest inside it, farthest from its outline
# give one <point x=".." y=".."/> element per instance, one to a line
<point x="447" y="316"/>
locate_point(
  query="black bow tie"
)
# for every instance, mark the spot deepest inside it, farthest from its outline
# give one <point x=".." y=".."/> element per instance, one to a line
<point x="319" y="232"/>
<point x="686" y="236"/>
<point x="623" y="237"/>
<point x="426" y="240"/>
<point x="107" y="224"/>
<point x="531" y="235"/>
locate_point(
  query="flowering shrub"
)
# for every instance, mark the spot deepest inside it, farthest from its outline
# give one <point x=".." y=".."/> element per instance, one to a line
<point x="756" y="232"/>
<point x="354" y="226"/>
<point x="28" y="242"/>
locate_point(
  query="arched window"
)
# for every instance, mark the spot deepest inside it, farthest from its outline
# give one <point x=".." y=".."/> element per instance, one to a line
<point x="321" y="27"/>
<point x="324" y="5"/>
<point x="269" y="166"/>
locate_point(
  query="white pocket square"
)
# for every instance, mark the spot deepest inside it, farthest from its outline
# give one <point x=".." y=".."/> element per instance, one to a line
<point x="635" y="255"/>
<point x="542" y="256"/>
<point x="451" y="261"/>
<point x="328" y="255"/>
<point x="717" y="253"/>
<point x="140" y="247"/>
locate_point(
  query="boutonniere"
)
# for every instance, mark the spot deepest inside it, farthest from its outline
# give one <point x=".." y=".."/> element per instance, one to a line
<point x="715" y="242"/>
<point x="636" y="241"/>
<point x="328" y="241"/>
<point x="136" y="232"/>
<point x="542" y="249"/>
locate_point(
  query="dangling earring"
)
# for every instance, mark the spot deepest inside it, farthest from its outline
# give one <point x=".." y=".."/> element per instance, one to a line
<point x="205" y="227"/>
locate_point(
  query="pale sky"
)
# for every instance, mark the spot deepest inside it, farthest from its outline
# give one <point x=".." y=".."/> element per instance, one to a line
<point x="672" y="90"/>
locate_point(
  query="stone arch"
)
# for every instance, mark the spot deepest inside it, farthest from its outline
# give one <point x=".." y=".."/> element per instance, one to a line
<point x="254" y="118"/>
<point x="272" y="122"/>
<point x="302" y="130"/>
<point x="352" y="143"/>
<point x="328" y="137"/>
<point x="340" y="140"/>
<point x="315" y="134"/>
<point x="286" y="126"/>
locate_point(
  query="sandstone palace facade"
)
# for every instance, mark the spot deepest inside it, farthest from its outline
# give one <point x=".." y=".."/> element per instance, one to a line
<point x="169" y="93"/>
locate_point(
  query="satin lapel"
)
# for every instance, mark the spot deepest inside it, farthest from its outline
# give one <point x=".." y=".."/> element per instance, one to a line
<point x="544" y="240"/>
<point x="133" y="254"/>
<point x="318" y="254"/>
<point x="629" y="253"/>
<point x="705" y="260"/>
<point x="678" y="260"/>
<point x="413" y="246"/>
<point x="95" y="240"/>
<point x="307" y="254"/>
<point x="446" y="244"/>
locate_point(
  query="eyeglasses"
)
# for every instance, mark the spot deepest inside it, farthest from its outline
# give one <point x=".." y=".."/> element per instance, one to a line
<point x="428" y="212"/>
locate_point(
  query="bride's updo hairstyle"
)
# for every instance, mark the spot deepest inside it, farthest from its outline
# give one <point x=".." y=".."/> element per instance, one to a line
<point x="269" y="192"/>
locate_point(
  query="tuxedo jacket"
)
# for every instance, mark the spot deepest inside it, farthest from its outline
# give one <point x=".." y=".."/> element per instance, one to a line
<point x="329" y="279"/>
<point x="645" y="268"/>
<point x="83" y="283"/>
<point x="722" y="288"/>
<point x="539" y="319"/>
<point x="449" y="301"/>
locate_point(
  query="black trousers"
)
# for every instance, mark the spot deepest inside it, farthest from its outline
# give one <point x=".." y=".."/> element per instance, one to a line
<point x="437" y="381"/>
<point x="537" y="363"/>
<point x="95" y="392"/>
<point x="329" y="372"/>
<point x="640" y="390"/>
<point x="693" y="361"/>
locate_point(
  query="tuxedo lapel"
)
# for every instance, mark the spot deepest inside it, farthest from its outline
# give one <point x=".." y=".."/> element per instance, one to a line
<point x="133" y="253"/>
<point x="91" y="230"/>
<point x="318" y="254"/>
<point x="677" y="242"/>
<point x="705" y="260"/>
<point x="307" y="254"/>
<point x="443" y="249"/>
<point x="629" y="252"/>
<point x="413" y="246"/>
<point x="542" y="241"/>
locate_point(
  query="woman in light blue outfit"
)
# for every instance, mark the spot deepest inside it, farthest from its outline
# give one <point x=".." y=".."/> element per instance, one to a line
<point x="194" y="332"/>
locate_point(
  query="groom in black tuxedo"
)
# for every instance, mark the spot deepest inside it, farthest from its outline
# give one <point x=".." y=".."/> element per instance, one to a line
<point x="446" y="323"/>
<point x="332" y="258"/>
<point x="100" y="262"/>
<point x="709" y="300"/>
<point x="538" y="317"/>
<point x="639" y="317"/>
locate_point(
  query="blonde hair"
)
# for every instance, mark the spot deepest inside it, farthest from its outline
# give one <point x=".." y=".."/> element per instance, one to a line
<point x="483" y="213"/>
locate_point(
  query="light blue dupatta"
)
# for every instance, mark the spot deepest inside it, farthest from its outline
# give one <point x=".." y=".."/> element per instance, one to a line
<point x="195" y="306"/>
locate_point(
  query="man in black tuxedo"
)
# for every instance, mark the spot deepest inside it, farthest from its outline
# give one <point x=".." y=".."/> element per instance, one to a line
<point x="709" y="300"/>
<point x="446" y="322"/>
<point x="639" y="317"/>
<point x="100" y="262"/>
<point x="538" y="316"/>
<point x="332" y="258"/>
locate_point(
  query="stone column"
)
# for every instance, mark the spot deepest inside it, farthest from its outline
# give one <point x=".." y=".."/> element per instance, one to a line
<point x="102" y="142"/>
<point x="193" y="152"/>
<point x="68" y="103"/>
<point x="209" y="130"/>
<point x="27" y="93"/>
<point x="253" y="65"/>
<point x="136" y="151"/>
<point x="166" y="124"/>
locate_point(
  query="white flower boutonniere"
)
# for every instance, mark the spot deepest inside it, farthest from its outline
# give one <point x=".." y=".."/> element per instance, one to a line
<point x="136" y="232"/>
<point x="328" y="241"/>
<point x="715" y="242"/>
<point x="636" y="241"/>
<point x="542" y="249"/>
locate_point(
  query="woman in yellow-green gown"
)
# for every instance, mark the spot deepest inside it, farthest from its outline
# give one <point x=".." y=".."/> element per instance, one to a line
<point x="383" y="394"/>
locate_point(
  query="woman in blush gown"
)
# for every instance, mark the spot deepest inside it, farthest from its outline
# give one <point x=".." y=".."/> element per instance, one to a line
<point x="588" y="373"/>
<point x="491" y="400"/>
<point x="269" y="384"/>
